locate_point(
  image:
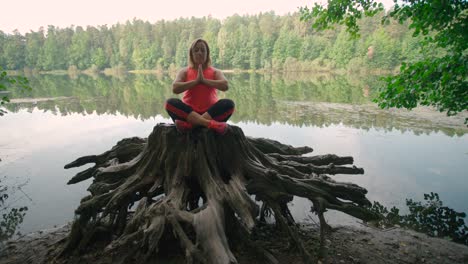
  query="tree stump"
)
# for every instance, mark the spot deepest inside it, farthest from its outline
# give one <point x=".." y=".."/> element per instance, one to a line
<point x="203" y="192"/>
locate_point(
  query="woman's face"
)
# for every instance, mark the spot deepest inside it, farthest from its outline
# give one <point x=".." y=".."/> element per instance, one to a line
<point x="199" y="53"/>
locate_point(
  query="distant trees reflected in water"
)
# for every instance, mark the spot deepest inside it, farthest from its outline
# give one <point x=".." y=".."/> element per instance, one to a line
<point x="308" y="99"/>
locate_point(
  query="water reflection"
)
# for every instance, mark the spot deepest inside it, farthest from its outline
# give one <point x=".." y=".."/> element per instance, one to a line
<point x="299" y="99"/>
<point x="404" y="153"/>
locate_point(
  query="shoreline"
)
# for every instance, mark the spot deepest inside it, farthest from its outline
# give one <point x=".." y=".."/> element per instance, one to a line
<point x="112" y="71"/>
<point x="346" y="244"/>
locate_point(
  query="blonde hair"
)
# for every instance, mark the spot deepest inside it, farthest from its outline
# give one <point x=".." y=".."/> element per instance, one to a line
<point x="207" y="63"/>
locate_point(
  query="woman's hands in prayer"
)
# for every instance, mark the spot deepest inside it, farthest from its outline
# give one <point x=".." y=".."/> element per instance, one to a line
<point x="200" y="77"/>
<point x="219" y="82"/>
<point x="180" y="85"/>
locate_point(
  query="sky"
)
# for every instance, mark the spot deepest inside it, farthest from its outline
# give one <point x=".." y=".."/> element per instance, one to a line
<point x="30" y="15"/>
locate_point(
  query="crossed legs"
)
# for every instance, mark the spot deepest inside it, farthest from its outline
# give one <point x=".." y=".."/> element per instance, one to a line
<point x="196" y="119"/>
<point x="221" y="111"/>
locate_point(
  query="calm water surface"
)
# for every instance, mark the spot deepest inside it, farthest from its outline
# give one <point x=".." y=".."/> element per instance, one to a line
<point x="404" y="154"/>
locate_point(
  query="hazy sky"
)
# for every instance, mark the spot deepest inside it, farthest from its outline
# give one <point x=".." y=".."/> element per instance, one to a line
<point x="26" y="15"/>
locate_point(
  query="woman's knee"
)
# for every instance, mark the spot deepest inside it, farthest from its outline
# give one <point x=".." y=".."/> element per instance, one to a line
<point x="172" y="101"/>
<point x="227" y="103"/>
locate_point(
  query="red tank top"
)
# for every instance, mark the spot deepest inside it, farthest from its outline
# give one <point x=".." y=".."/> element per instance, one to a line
<point x="201" y="97"/>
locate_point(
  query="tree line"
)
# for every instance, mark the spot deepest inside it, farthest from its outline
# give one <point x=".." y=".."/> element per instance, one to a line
<point x="264" y="41"/>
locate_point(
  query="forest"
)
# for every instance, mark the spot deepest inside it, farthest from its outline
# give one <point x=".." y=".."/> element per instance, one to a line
<point x="265" y="41"/>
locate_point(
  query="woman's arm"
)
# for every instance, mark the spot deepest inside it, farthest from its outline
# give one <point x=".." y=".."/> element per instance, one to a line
<point x="219" y="82"/>
<point x="179" y="86"/>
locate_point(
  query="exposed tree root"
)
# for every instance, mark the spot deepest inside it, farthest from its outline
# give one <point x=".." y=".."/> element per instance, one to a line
<point x="196" y="191"/>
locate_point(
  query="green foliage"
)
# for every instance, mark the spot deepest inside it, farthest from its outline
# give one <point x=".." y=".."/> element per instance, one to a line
<point x="343" y="12"/>
<point x="243" y="42"/>
<point x="6" y="82"/>
<point x="431" y="218"/>
<point x="447" y="19"/>
<point x="432" y="81"/>
<point x="52" y="54"/>
<point x="34" y="43"/>
<point x="343" y="50"/>
<point x="98" y="58"/>
<point x="386" y="50"/>
<point x="438" y="79"/>
<point x="11" y="218"/>
<point x="387" y="218"/>
<point x="13" y="48"/>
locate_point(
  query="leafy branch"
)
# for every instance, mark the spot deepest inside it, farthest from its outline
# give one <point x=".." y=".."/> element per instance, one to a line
<point x="438" y="80"/>
<point x="6" y="82"/>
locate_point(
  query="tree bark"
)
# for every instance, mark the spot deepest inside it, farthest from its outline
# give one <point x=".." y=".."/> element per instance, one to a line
<point x="202" y="191"/>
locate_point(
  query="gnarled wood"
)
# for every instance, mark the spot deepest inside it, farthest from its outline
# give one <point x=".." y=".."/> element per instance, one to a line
<point x="197" y="189"/>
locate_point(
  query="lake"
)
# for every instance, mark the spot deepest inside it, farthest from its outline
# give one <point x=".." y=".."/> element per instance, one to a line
<point x="404" y="153"/>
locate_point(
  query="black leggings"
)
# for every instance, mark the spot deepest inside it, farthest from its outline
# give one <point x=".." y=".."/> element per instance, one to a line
<point x="220" y="111"/>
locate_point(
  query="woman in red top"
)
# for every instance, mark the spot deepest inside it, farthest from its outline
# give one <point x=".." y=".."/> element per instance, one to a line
<point x="199" y="82"/>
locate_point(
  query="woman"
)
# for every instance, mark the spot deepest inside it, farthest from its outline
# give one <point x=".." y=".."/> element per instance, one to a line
<point x="199" y="82"/>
